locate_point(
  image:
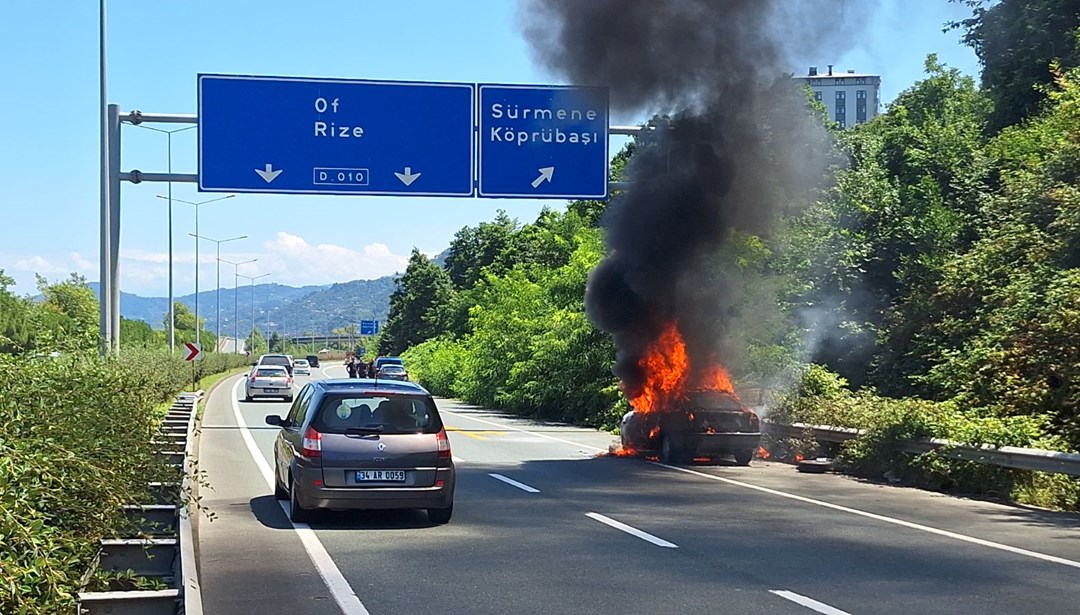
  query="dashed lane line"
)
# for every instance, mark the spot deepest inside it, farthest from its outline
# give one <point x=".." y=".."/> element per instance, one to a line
<point x="809" y="603"/>
<point x="510" y="481"/>
<point x="633" y="531"/>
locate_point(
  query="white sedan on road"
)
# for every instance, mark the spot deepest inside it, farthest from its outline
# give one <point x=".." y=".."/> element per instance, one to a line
<point x="301" y="367"/>
<point x="269" y="381"/>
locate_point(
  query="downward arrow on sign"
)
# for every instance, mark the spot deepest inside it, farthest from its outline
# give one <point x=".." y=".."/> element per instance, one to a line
<point x="408" y="177"/>
<point x="269" y="174"/>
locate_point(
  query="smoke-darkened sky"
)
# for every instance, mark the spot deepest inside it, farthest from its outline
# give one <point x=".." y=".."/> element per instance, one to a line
<point x="740" y="146"/>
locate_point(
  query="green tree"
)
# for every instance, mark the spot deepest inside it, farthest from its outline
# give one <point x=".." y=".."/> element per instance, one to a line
<point x="16" y="319"/>
<point x="415" y="305"/>
<point x="869" y="254"/>
<point x="255" y="343"/>
<point x="1016" y="41"/>
<point x="139" y="333"/>
<point x="185" y="327"/>
<point x="476" y="248"/>
<point x="67" y="318"/>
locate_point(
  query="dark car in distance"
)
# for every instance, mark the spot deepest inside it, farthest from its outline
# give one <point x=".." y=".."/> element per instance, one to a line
<point x="363" y="444"/>
<point x="313" y="360"/>
<point x="392" y="372"/>
<point x="708" y="424"/>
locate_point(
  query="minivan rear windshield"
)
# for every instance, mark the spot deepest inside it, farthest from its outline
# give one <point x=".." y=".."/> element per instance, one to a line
<point x="272" y="372"/>
<point x="274" y="361"/>
<point x="377" y="413"/>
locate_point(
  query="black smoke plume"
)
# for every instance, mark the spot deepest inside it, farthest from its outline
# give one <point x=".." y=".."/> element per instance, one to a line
<point x="741" y="145"/>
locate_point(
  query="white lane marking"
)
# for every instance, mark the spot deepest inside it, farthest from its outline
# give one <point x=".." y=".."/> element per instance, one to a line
<point x="809" y="603"/>
<point x="633" y="531"/>
<point x="340" y="589"/>
<point x="458" y="459"/>
<point x="869" y="515"/>
<point x="908" y="524"/>
<point x="510" y="481"/>
<point x="531" y="433"/>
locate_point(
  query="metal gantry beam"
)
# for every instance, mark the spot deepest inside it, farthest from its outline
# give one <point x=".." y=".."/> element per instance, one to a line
<point x="111" y="176"/>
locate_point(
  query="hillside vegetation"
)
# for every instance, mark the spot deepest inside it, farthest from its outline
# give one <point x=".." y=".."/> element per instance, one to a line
<point x="931" y="291"/>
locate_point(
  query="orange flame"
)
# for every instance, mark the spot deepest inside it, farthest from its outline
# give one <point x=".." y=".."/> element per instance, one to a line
<point x="762" y="453"/>
<point x="798" y="457"/>
<point x="668" y="374"/>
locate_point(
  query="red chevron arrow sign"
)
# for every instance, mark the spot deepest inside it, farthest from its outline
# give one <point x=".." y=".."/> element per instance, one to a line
<point x="194" y="351"/>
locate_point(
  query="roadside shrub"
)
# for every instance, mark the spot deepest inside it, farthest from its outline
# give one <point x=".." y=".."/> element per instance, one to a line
<point x="435" y="364"/>
<point x="75" y="437"/>
<point x="819" y="398"/>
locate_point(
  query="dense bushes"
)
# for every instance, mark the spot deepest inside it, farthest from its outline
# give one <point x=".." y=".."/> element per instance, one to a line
<point x="822" y="398"/>
<point x="75" y="437"/>
<point x="938" y="276"/>
<point x="528" y="346"/>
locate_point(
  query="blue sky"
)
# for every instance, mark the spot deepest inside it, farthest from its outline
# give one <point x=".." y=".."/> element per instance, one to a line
<point x="49" y="157"/>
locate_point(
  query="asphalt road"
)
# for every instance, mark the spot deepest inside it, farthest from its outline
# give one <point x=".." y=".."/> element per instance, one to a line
<point x="542" y="524"/>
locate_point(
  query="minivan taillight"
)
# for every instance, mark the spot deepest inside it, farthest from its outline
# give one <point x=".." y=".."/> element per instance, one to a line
<point x="312" y="444"/>
<point x="443" y="443"/>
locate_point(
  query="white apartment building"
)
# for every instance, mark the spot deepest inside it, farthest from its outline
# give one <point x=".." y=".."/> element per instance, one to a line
<point x="850" y="98"/>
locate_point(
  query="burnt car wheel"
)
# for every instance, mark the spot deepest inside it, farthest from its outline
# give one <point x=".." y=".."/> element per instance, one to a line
<point x="744" y="457"/>
<point x="672" y="449"/>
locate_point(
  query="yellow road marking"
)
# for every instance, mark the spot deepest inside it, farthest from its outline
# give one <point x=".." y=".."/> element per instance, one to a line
<point x="475" y="433"/>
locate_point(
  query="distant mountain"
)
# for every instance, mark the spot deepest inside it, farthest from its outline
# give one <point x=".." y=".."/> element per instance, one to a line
<point x="307" y="309"/>
<point x="336" y="306"/>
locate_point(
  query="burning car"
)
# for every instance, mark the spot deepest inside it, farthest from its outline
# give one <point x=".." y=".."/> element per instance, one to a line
<point x="705" y="424"/>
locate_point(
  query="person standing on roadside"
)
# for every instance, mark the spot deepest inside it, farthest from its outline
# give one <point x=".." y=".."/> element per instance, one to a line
<point x="350" y="366"/>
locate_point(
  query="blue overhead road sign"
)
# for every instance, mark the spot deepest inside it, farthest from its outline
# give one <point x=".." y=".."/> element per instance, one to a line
<point x="335" y="136"/>
<point x="369" y="327"/>
<point x="543" y="141"/>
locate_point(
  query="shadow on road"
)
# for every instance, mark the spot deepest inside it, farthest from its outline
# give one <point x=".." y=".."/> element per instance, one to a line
<point x="269" y="512"/>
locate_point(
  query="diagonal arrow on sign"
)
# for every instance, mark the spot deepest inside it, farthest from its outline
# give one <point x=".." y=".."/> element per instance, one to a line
<point x="194" y="351"/>
<point x="546" y="174"/>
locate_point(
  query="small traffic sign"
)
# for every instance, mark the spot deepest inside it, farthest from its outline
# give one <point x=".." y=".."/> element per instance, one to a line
<point x="369" y="327"/>
<point x="193" y="350"/>
<point x="541" y="141"/>
<point x="335" y="136"/>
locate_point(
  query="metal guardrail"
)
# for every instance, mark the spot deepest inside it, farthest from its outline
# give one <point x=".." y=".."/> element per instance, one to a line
<point x="1005" y="456"/>
<point x="190" y="590"/>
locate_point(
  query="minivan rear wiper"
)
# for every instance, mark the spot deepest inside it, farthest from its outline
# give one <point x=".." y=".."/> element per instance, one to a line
<point x="363" y="431"/>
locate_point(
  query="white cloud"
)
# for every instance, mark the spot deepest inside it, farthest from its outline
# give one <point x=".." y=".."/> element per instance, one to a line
<point x="288" y="258"/>
<point x="292" y="260"/>
<point x="82" y="265"/>
<point x="38" y="264"/>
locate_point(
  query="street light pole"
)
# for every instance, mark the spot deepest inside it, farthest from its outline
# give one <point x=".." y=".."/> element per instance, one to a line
<point x="172" y="314"/>
<point x="217" y="293"/>
<point x="253" y="278"/>
<point x="267" y="319"/>
<point x="236" y="293"/>
<point x="198" y="325"/>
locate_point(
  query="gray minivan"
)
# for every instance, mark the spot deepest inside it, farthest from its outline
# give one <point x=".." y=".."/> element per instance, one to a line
<point x="361" y="444"/>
